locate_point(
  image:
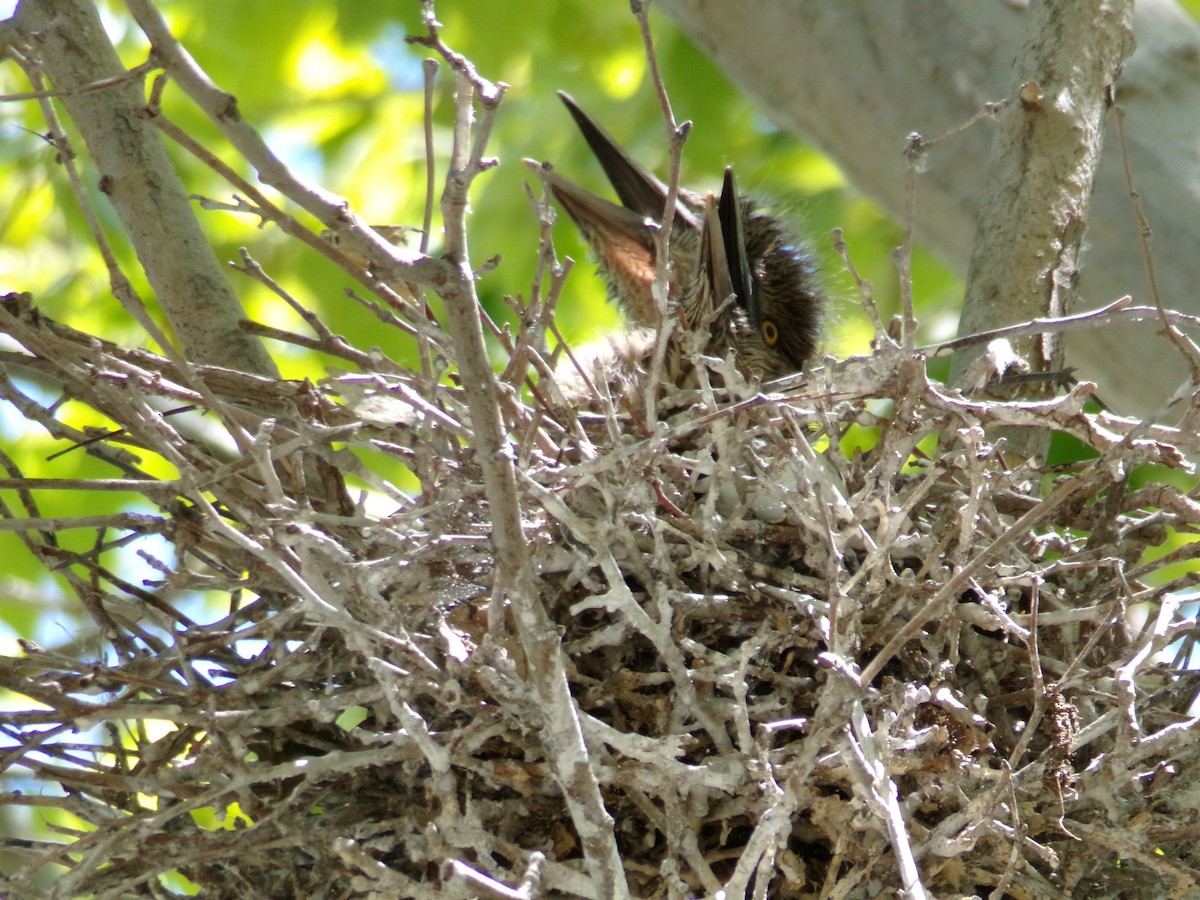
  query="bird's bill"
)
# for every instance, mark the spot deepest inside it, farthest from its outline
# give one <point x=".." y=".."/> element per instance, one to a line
<point x="593" y="214"/>
<point x="638" y="189"/>
<point x="714" y="258"/>
<point x="731" y="213"/>
<point x="621" y="239"/>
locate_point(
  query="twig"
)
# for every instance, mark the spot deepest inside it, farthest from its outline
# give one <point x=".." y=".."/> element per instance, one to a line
<point x="514" y="581"/>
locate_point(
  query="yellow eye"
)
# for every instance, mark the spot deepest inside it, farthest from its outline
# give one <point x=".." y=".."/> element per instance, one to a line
<point x="770" y="333"/>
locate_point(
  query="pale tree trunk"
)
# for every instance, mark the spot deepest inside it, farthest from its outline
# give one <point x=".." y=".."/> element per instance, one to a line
<point x="145" y="191"/>
<point x="856" y="78"/>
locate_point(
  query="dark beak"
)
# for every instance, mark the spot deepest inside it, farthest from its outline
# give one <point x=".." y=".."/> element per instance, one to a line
<point x="733" y="233"/>
<point x="638" y="189"/>
<point x="715" y="259"/>
<point x="736" y="272"/>
<point x="619" y="236"/>
<point x="623" y="236"/>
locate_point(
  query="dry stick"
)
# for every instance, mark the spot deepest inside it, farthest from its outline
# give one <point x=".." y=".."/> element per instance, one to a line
<point x="150" y="199"/>
<point x="51" y="340"/>
<point x="988" y="111"/>
<point x="865" y="291"/>
<point x="902" y="257"/>
<point x="135" y="74"/>
<point x="429" y="67"/>
<point x="1014" y="856"/>
<point x="1124" y="847"/>
<point x="221" y="108"/>
<point x="268" y="211"/>
<point x="259" y="205"/>
<point x="253" y="269"/>
<point x="758" y="858"/>
<point x="536" y="319"/>
<point x="559" y="273"/>
<point x="677" y="135"/>
<point x="476" y="884"/>
<point x="78" y="375"/>
<point x="140" y="522"/>
<point x="130" y="485"/>
<point x="332" y="211"/>
<point x="877" y="784"/>
<point x="960" y="579"/>
<point x="1187" y="348"/>
<point x="621" y="598"/>
<point x="914" y="154"/>
<point x="515" y="581"/>
<point x="122" y="288"/>
<point x="1093" y="318"/>
<point x="1039" y="683"/>
<point x="263" y="207"/>
<point x="1131" y="732"/>
<point x="385" y="880"/>
<point x="335" y="346"/>
<point x="327" y="341"/>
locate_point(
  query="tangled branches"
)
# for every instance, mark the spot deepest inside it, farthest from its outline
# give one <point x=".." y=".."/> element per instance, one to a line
<point x="445" y="631"/>
<point x="795" y="669"/>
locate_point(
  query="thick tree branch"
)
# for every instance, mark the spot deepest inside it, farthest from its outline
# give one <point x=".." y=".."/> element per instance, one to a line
<point x="139" y="180"/>
<point x="1042" y="170"/>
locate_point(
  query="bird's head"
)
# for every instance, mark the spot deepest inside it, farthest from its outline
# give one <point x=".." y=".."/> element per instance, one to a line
<point x="753" y="288"/>
<point x="738" y="276"/>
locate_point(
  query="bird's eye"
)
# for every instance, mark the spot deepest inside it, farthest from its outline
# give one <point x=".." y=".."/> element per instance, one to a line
<point x="770" y="333"/>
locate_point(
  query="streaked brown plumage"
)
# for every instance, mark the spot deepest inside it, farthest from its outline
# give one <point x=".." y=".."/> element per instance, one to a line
<point x="737" y="274"/>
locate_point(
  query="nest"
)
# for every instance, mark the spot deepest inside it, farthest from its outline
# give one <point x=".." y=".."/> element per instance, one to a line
<point x="800" y="662"/>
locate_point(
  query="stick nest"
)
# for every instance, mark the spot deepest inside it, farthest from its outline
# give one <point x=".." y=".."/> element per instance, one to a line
<point x="800" y="669"/>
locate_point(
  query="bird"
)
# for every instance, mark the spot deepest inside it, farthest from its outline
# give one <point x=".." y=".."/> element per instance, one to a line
<point x="740" y="280"/>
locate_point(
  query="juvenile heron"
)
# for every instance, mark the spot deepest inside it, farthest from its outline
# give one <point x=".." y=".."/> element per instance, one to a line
<point x="738" y="278"/>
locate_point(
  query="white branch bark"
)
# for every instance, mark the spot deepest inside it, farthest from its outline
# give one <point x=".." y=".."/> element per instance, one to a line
<point x="1025" y="263"/>
<point x="139" y="180"/>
